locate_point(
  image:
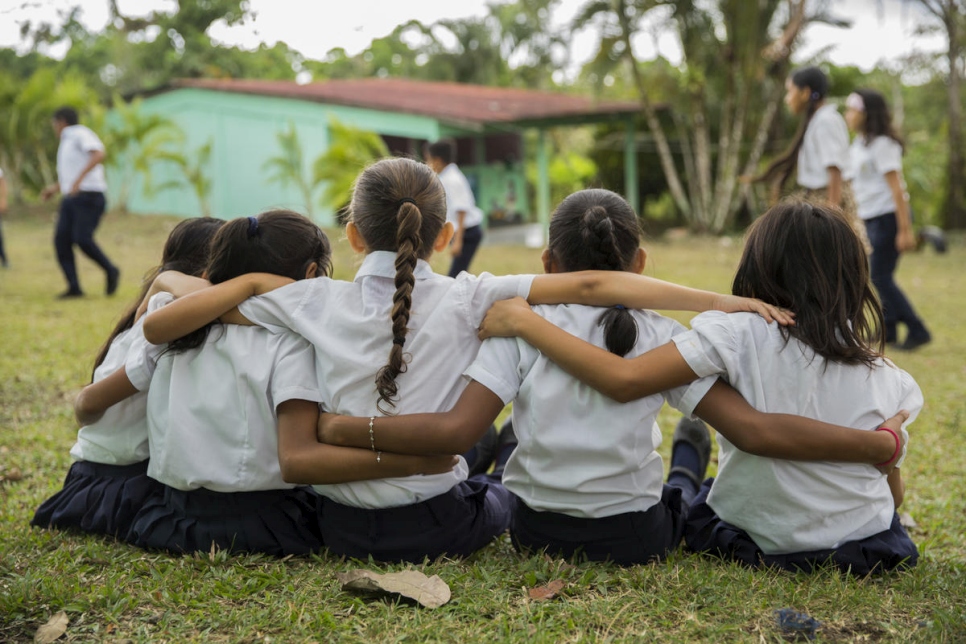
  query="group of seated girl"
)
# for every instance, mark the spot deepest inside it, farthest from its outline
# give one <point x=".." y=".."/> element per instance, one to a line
<point x="202" y="426"/>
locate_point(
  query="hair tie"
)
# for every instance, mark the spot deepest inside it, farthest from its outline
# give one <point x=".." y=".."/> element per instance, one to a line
<point x="400" y="340"/>
<point x="816" y="96"/>
<point x="406" y="200"/>
<point x="620" y="307"/>
<point x="252" y="227"/>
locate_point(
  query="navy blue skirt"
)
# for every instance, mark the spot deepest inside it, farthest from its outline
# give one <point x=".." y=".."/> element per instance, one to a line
<point x="273" y="522"/>
<point x="624" y="539"/>
<point x="98" y="498"/>
<point x="888" y="550"/>
<point x="454" y="524"/>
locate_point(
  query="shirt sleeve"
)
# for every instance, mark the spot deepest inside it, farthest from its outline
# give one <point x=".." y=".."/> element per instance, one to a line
<point x="278" y="311"/>
<point x="479" y="293"/>
<point x="886" y="154"/>
<point x="498" y="367"/>
<point x="833" y="141"/>
<point x="88" y="141"/>
<point x="294" y="373"/>
<point x="709" y="345"/>
<point x="142" y="356"/>
<point x="912" y="401"/>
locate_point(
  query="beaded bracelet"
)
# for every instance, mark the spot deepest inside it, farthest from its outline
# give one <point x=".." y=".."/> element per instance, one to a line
<point x="898" y="446"/>
<point x="372" y="435"/>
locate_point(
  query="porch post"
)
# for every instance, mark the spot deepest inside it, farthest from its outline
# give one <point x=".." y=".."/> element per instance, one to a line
<point x="631" y="191"/>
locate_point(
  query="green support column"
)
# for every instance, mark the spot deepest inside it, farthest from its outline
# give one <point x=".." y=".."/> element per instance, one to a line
<point x="543" y="183"/>
<point x="479" y="160"/>
<point x="631" y="190"/>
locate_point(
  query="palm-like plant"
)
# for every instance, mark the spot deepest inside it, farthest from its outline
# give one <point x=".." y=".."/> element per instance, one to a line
<point x="350" y="150"/>
<point x="287" y="168"/>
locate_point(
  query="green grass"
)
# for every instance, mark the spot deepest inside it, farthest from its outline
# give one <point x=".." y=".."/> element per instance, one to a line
<point x="113" y="592"/>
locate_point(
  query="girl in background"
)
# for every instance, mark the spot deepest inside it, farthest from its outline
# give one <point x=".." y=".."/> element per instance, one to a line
<point x="107" y="483"/>
<point x="212" y="414"/>
<point x="876" y="173"/>
<point x="427" y="324"/>
<point x="586" y="474"/>
<point x="828" y="366"/>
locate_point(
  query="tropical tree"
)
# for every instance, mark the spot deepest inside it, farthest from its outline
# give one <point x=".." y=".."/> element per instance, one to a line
<point x="288" y="168"/>
<point x="194" y="168"/>
<point x="350" y="150"/>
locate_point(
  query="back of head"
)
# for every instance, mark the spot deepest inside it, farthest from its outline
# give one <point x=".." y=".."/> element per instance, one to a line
<point x="67" y="115"/>
<point x="598" y="230"/>
<point x="186" y="251"/>
<point x="806" y="257"/>
<point x="878" y="119"/>
<point x="398" y="205"/>
<point x="812" y="78"/>
<point x="281" y="242"/>
<point x="443" y="150"/>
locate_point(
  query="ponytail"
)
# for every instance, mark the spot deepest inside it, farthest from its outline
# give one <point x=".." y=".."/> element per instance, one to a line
<point x="408" y="248"/>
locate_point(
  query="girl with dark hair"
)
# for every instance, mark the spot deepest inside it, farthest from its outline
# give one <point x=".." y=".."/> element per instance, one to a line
<point x="876" y="173"/>
<point x="828" y="366"/>
<point x="586" y="476"/>
<point x="427" y="324"/>
<point x="107" y="483"/>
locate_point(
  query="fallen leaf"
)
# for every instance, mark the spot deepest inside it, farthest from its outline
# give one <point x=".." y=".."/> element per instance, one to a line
<point x="548" y="591"/>
<point x="13" y="474"/>
<point x="431" y="592"/>
<point x="906" y="520"/>
<point x="54" y="628"/>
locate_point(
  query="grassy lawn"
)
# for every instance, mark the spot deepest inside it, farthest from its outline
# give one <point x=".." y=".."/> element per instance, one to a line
<point x="113" y="592"/>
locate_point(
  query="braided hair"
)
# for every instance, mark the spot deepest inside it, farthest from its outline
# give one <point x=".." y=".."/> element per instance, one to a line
<point x="597" y="229"/>
<point x="398" y="205"/>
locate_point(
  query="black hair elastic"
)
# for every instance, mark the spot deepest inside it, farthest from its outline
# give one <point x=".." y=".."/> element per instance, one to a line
<point x="620" y="307"/>
<point x="400" y="340"/>
<point x="405" y="200"/>
<point x="252" y="226"/>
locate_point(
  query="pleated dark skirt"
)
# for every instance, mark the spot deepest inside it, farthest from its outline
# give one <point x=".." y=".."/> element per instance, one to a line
<point x="455" y="524"/>
<point x="99" y="498"/>
<point x="273" y="522"/>
<point x="888" y="550"/>
<point x="625" y="539"/>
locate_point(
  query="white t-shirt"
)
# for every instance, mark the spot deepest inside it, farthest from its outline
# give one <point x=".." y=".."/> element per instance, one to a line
<point x="789" y="506"/>
<point x="459" y="196"/>
<point x="348" y="324"/>
<point x="581" y="453"/>
<point x="826" y="145"/>
<point x="868" y="167"/>
<point x="74" y="152"/>
<point x="211" y="410"/>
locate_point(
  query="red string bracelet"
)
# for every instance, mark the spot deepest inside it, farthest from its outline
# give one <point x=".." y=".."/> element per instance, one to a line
<point x="898" y="446"/>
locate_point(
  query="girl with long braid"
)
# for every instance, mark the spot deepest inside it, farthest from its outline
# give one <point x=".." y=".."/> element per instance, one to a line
<point x="428" y="324"/>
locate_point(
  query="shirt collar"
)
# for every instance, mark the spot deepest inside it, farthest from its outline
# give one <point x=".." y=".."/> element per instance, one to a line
<point x="382" y="263"/>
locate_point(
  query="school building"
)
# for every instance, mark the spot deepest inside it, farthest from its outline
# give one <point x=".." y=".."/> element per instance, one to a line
<point x="241" y="120"/>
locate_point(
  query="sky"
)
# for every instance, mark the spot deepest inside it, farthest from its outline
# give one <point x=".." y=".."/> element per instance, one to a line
<point x="882" y="31"/>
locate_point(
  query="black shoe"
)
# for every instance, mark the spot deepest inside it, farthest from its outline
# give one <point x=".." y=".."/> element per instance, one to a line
<point x="113" y="277"/>
<point x="933" y="236"/>
<point x="484" y="451"/>
<point x="70" y="294"/>
<point x="694" y="432"/>
<point x="505" y="445"/>
<point x="914" y="342"/>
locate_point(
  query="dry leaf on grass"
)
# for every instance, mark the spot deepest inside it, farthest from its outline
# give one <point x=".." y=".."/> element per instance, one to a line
<point x="54" y="628"/>
<point x="548" y="591"/>
<point x="431" y="592"/>
<point x="12" y="475"/>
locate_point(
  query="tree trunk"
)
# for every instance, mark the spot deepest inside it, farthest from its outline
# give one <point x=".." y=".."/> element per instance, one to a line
<point x="956" y="170"/>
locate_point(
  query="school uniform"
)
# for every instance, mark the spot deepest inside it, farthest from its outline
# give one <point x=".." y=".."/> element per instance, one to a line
<point x="214" y="446"/>
<point x="796" y="514"/>
<point x="107" y="483"/>
<point x="877" y="209"/>
<point x="80" y="213"/>
<point x="459" y="198"/>
<point x="348" y="324"/>
<point x="586" y="471"/>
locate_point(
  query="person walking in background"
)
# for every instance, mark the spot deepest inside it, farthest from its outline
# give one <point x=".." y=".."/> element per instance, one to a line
<point x="81" y="182"/>
<point x="3" y="212"/>
<point x="461" y="209"/>
<point x="876" y="173"/>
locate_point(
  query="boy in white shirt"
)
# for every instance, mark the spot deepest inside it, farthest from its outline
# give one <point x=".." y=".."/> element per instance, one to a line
<point x="461" y="209"/>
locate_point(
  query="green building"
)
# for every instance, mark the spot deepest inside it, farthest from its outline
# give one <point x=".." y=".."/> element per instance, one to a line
<point x="241" y="120"/>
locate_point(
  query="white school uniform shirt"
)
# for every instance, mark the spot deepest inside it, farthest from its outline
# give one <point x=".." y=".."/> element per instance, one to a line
<point x="581" y="453"/>
<point x="868" y="167"/>
<point x="788" y="506"/>
<point x="459" y="196"/>
<point x="348" y="323"/>
<point x="76" y="144"/>
<point x="826" y="144"/>
<point x="211" y="410"/>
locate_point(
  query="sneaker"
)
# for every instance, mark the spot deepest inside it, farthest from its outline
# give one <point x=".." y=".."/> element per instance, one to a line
<point x="695" y="433"/>
<point x="70" y="294"/>
<point x="113" y="277"/>
<point x="914" y="342"/>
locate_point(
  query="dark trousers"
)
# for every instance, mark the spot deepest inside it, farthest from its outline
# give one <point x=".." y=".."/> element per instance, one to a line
<point x="895" y="307"/>
<point x="78" y="219"/>
<point x="471" y="241"/>
<point x="3" y="254"/>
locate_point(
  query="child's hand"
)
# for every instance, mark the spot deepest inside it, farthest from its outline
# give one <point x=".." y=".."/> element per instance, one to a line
<point x="895" y="424"/>
<point x="503" y="318"/>
<point x="174" y="282"/>
<point x="735" y="304"/>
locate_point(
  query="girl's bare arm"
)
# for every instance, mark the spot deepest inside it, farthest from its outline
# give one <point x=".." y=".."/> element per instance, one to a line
<point x="95" y="398"/>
